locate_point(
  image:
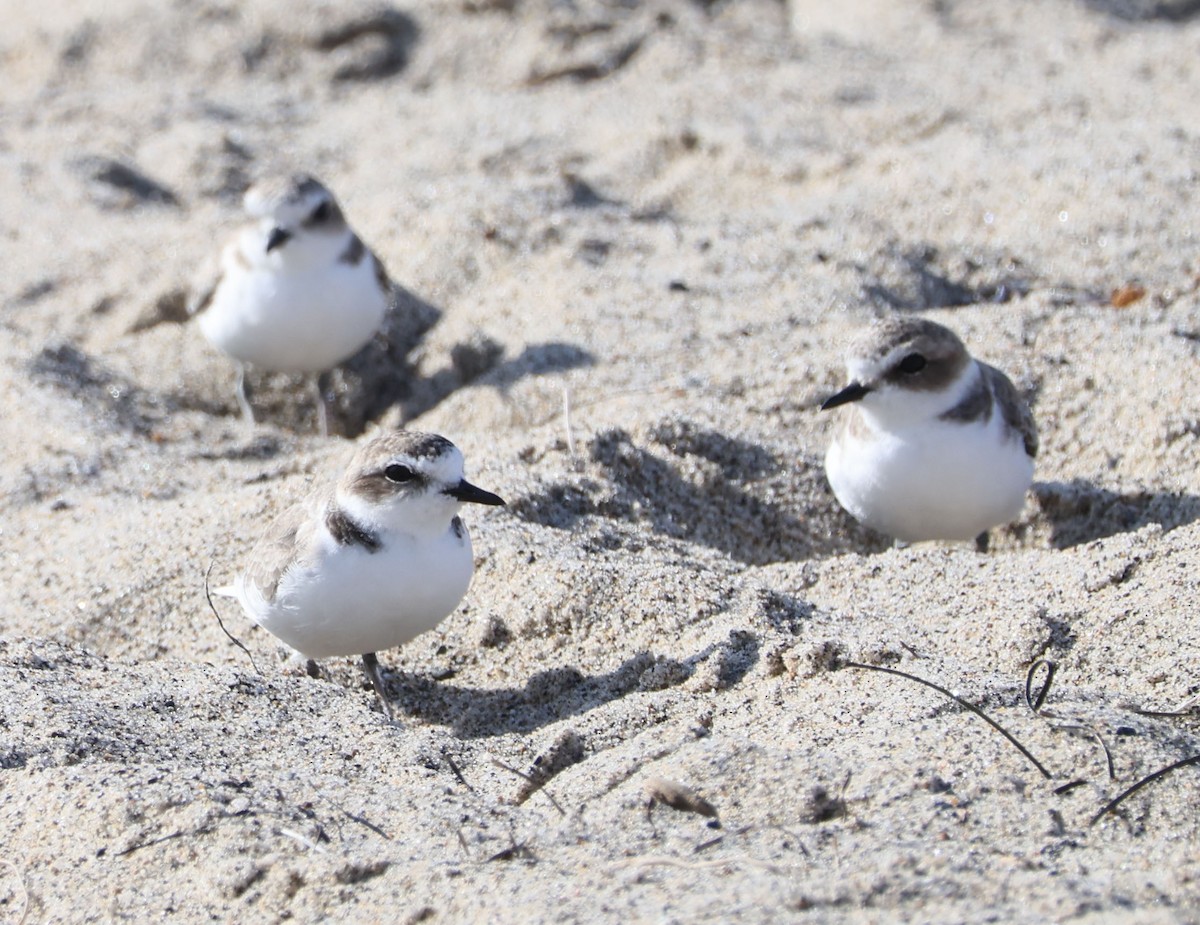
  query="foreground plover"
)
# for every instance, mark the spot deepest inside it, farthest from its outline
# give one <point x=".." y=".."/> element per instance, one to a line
<point x="297" y="290"/>
<point x="370" y="562"/>
<point x="935" y="444"/>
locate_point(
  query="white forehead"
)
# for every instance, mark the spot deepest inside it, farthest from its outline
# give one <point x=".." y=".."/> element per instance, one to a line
<point x="447" y="466"/>
<point x="868" y="367"/>
<point x="284" y="200"/>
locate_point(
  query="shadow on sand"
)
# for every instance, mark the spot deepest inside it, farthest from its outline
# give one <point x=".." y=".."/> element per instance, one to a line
<point x="558" y="693"/>
<point x="726" y="503"/>
<point x="1079" y="512"/>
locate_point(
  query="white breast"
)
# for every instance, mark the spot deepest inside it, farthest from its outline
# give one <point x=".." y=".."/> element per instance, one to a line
<point x="350" y="600"/>
<point x="937" y="480"/>
<point x="294" y="319"/>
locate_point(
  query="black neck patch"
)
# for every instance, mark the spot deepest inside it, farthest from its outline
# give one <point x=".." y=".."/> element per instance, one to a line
<point x="976" y="405"/>
<point x="346" y="532"/>
<point x="354" y="252"/>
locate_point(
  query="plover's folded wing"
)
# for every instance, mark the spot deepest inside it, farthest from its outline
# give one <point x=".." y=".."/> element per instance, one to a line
<point x="356" y="252"/>
<point x="381" y="273"/>
<point x="1016" y="413"/>
<point x="212" y="272"/>
<point x="204" y="286"/>
<point x="289" y="541"/>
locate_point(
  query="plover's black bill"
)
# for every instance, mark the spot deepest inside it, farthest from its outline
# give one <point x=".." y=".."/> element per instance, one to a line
<point x="472" y="494"/>
<point x="853" y="392"/>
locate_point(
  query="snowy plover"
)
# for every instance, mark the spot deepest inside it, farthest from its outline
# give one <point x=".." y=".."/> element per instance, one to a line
<point x="937" y="446"/>
<point x="371" y="562"/>
<point x="297" y="291"/>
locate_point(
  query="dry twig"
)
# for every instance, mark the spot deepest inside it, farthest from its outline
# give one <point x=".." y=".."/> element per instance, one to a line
<point x="539" y="787"/>
<point x="213" y="607"/>
<point x="1035" y="705"/>
<point x="1144" y="782"/>
<point x="970" y="706"/>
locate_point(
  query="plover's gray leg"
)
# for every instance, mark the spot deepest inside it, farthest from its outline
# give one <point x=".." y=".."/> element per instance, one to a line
<point x="371" y="667"/>
<point x="320" y="392"/>
<point x="243" y="396"/>
<point x="981" y="542"/>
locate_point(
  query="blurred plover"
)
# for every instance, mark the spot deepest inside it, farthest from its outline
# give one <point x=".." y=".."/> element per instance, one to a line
<point x="370" y="562"/>
<point x="297" y="290"/>
<point x="935" y="444"/>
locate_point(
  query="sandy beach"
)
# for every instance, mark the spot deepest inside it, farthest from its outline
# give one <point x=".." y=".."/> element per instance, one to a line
<point x="632" y="242"/>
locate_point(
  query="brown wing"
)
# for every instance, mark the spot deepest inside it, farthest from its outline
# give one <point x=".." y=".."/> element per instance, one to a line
<point x="1016" y="413"/>
<point x="381" y="273"/>
<point x="356" y="252"/>
<point x="287" y="542"/>
<point x="208" y="278"/>
<point x="201" y="296"/>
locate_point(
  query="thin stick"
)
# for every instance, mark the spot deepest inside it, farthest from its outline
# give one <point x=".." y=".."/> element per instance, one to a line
<point x="213" y="607"/>
<point x="970" y="706"/>
<point x="1145" y="781"/>
<point x="660" y="861"/>
<point x="1187" y="709"/>
<point x="615" y="394"/>
<point x="457" y="772"/>
<point x="513" y="853"/>
<point x="362" y="820"/>
<point x="1095" y="734"/>
<point x="1033" y="703"/>
<point x="704" y="846"/>
<point x="538" y="787"/>
<point x="158" y="841"/>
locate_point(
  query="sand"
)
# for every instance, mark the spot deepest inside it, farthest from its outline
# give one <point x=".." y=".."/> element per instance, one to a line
<point x="633" y="240"/>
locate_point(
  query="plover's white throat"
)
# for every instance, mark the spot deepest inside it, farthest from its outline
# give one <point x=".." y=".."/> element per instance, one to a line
<point x="935" y="445"/>
<point x="371" y="562"/>
<point x="297" y="291"/>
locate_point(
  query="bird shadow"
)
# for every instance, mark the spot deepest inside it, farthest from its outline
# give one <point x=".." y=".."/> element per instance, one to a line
<point x="383" y="375"/>
<point x="113" y="400"/>
<point x="482" y="360"/>
<point x="556" y="694"/>
<point x="723" y="505"/>
<point x="1180" y="11"/>
<point x="1079" y="511"/>
<point x="915" y="277"/>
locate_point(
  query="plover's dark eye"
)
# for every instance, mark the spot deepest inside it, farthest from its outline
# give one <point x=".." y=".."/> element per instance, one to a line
<point x="913" y="363"/>
<point x="320" y="213"/>
<point x="398" y="473"/>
